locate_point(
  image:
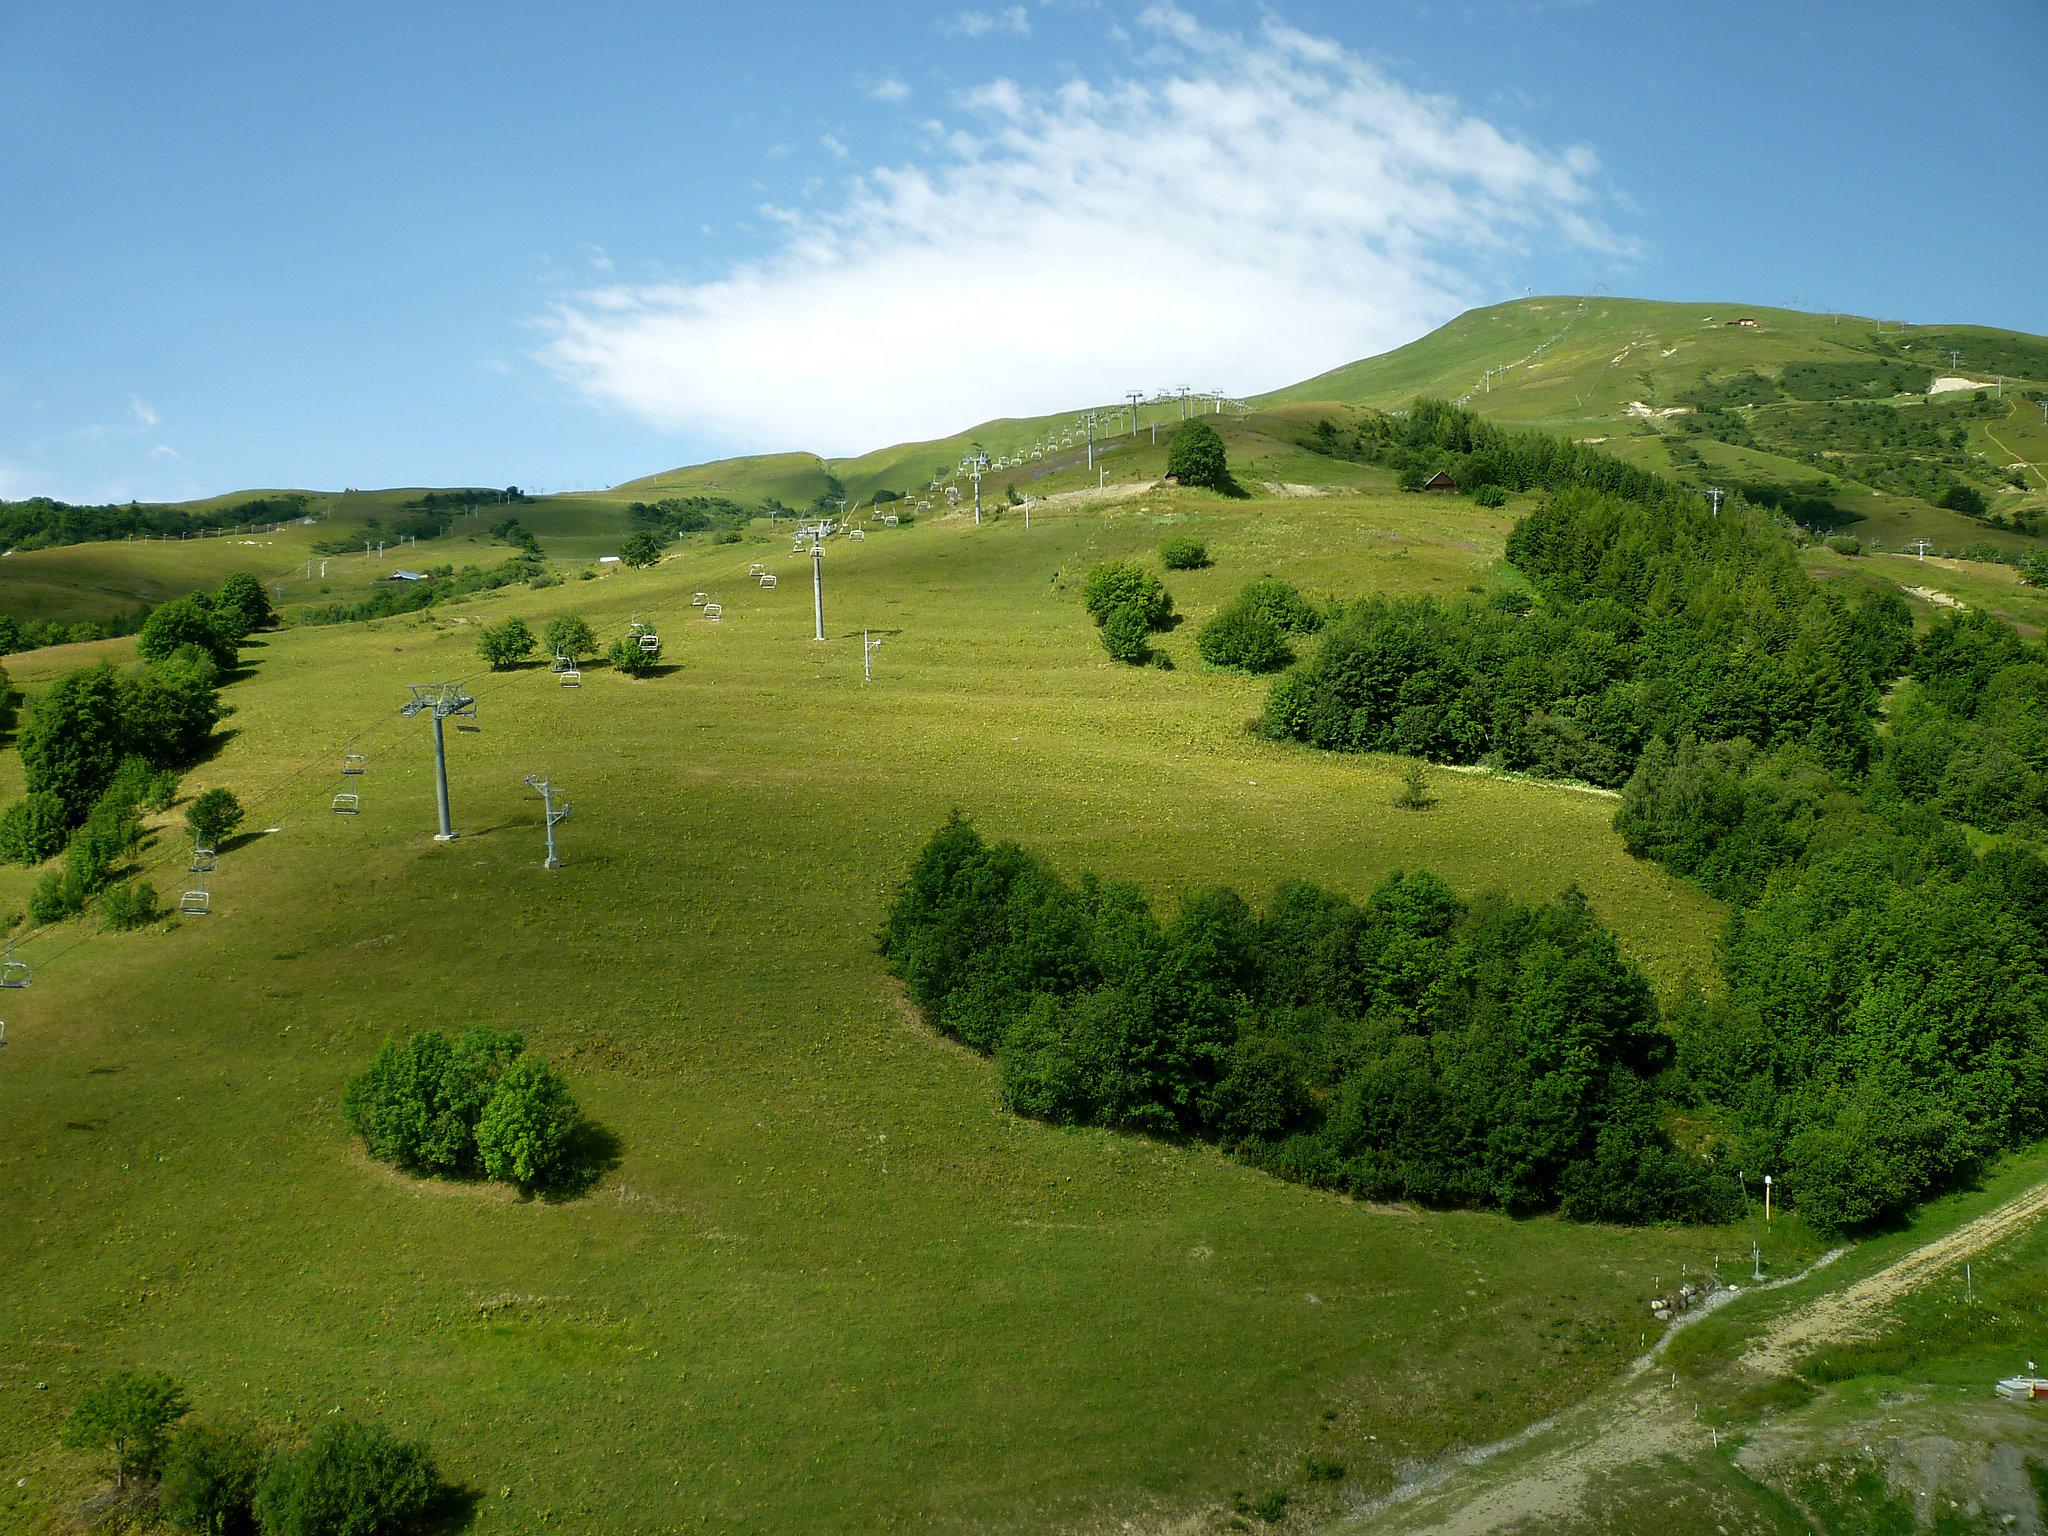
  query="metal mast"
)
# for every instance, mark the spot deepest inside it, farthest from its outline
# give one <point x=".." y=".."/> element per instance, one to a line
<point x="441" y="700"/>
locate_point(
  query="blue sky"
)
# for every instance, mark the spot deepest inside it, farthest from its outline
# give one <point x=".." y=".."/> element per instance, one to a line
<point x="562" y="246"/>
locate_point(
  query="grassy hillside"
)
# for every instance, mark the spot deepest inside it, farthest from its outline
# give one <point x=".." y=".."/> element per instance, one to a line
<point x="1656" y="383"/>
<point x="828" y="1284"/>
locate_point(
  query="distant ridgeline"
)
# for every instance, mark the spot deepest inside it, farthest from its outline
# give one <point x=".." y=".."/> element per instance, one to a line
<point x="1868" y="800"/>
<point x="40" y="523"/>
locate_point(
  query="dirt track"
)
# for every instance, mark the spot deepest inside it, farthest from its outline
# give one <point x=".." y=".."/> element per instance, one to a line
<point x="1638" y="1418"/>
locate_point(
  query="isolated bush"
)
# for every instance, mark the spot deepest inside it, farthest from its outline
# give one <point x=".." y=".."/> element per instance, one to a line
<point x="181" y="622"/>
<point x="349" y="1479"/>
<point x="1184" y="554"/>
<point x="1241" y="635"/>
<point x="212" y="816"/>
<point x="1845" y="544"/>
<point x="52" y="899"/>
<point x="1125" y="635"/>
<point x="1490" y="496"/>
<point x="210" y="1478"/>
<point x="418" y="1104"/>
<point x="1118" y="584"/>
<point x="569" y="636"/>
<point x="130" y="1415"/>
<point x="627" y="656"/>
<point x="1966" y="499"/>
<point x="169" y="709"/>
<point x="504" y="645"/>
<point x="33" y="828"/>
<point x="1414" y="794"/>
<point x="528" y="1125"/>
<point x="641" y="548"/>
<point x="1196" y="456"/>
<point x="133" y="905"/>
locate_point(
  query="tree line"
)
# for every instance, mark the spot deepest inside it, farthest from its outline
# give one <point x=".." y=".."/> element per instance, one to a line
<point x="1414" y="1045"/>
<point x="1868" y="800"/>
<point x="42" y="523"/>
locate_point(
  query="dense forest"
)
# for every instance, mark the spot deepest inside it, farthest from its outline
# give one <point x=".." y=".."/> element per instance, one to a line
<point x="1867" y="800"/>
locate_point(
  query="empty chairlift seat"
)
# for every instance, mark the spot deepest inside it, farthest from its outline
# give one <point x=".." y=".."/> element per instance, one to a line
<point x="353" y="763"/>
<point x="195" y="903"/>
<point x="697" y="600"/>
<point x="650" y="643"/>
<point x="347" y="803"/>
<point x="713" y="611"/>
<point x="767" y="578"/>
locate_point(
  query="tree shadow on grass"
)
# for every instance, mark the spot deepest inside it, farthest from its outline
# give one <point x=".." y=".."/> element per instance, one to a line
<point x="211" y="748"/>
<point x="454" y="1509"/>
<point x="593" y="1153"/>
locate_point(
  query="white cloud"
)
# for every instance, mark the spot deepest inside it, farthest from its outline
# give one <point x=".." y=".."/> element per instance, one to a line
<point x="166" y="451"/>
<point x="832" y="146"/>
<point x="1254" y="209"/>
<point x="889" y="88"/>
<point x="1012" y="19"/>
<point x="141" y="412"/>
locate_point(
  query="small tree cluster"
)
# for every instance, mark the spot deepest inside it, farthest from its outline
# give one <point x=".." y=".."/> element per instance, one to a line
<point x="348" y="1478"/>
<point x="630" y="655"/>
<point x="642" y="548"/>
<point x="1128" y="604"/>
<point x="1196" y="457"/>
<point x="212" y="816"/>
<point x="1184" y="554"/>
<point x="478" y="1105"/>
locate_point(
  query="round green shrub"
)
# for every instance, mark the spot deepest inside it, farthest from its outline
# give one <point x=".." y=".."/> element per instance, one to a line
<point x="1240" y="635"/>
<point x="1184" y="554"/>
<point x="527" y="1127"/>
<point x="349" y="1479"/>
<point x="1196" y="456"/>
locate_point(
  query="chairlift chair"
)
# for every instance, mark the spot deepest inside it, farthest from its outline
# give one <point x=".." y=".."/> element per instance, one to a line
<point x="353" y="763"/>
<point x="697" y="600"/>
<point x="195" y="903"/>
<point x="13" y="972"/>
<point x="712" y="611"/>
<point x="767" y="580"/>
<point x="650" y="643"/>
<point x="203" y="861"/>
<point x="571" y="677"/>
<point x="756" y="568"/>
<point x="857" y="534"/>
<point x="347" y="803"/>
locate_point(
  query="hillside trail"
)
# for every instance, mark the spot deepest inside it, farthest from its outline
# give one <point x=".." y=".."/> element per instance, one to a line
<point x="1639" y="1417"/>
<point x="2019" y="459"/>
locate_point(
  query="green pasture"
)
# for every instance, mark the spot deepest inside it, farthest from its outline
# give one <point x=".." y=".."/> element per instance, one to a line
<point x="829" y="1285"/>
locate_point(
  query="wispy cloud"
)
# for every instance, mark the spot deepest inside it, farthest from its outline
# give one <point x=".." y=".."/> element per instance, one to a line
<point x="1255" y="208"/>
<point x="832" y="146"/>
<point x="141" y="411"/>
<point x="1013" y="20"/>
<point x="889" y="88"/>
<point x="166" y="451"/>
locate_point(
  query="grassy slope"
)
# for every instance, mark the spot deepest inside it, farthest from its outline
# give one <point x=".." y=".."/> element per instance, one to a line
<point x="90" y="581"/>
<point x="830" y="1285"/>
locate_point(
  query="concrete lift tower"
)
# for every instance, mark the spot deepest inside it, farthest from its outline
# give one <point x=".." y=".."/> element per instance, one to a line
<point x="1136" y="397"/>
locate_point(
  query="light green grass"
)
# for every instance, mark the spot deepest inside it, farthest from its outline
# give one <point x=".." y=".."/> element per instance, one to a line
<point x="830" y="1285"/>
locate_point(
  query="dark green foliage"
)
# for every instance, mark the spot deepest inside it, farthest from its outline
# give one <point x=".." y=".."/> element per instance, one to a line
<point x="1966" y="499"/>
<point x="1411" y="1047"/>
<point x="74" y="737"/>
<point x="477" y="1106"/>
<point x="1127" y="603"/>
<point x="642" y="548"/>
<point x="1196" y="456"/>
<point x="527" y="1127"/>
<point x="678" y="515"/>
<point x="134" y="905"/>
<point x="505" y="645"/>
<point x="210" y="1479"/>
<point x="52" y="899"/>
<point x="444" y="584"/>
<point x="511" y="531"/>
<point x="186" y="621"/>
<point x="33" y="828"/>
<point x="569" y="636"/>
<point x="1489" y="496"/>
<point x="1241" y="635"/>
<point x="349" y="1479"/>
<point x="212" y="816"/>
<point x="128" y="1414"/>
<point x="40" y="523"/>
<point x="627" y="655"/>
<point x="1283" y="605"/>
<point x="418" y="1104"/>
<point x="1118" y="584"/>
<point x="169" y="709"/>
<point x="1184" y="554"/>
<point x="1846" y="544"/>
<point x="241" y="606"/>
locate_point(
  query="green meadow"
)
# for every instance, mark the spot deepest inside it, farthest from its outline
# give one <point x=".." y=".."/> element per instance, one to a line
<point x="824" y="1283"/>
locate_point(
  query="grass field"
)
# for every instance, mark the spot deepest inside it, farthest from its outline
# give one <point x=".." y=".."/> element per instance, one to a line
<point x="829" y="1285"/>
